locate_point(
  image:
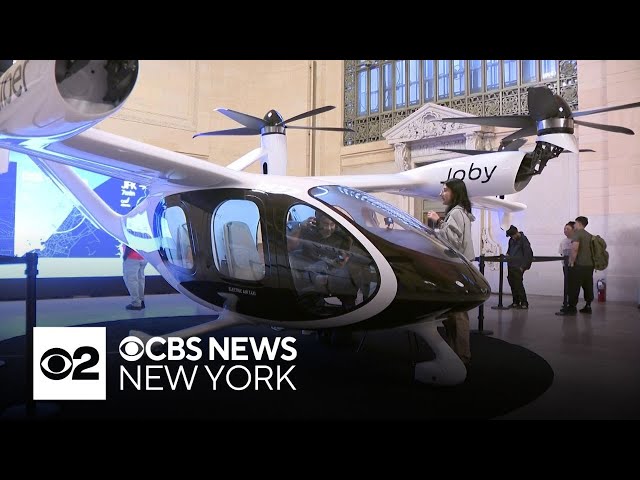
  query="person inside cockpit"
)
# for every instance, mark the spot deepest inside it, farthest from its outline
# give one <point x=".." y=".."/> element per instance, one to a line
<point x="322" y="251"/>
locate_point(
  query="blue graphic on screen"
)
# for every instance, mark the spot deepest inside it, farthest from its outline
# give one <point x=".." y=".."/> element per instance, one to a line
<point x="77" y="237"/>
<point x="36" y="216"/>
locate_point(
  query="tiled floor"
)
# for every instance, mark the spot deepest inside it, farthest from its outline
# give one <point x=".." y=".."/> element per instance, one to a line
<point x="595" y="358"/>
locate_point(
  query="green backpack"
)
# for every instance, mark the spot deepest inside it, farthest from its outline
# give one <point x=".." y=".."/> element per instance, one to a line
<point x="599" y="253"/>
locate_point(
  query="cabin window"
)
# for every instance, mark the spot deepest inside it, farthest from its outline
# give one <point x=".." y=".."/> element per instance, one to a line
<point x="236" y="233"/>
<point x="175" y="240"/>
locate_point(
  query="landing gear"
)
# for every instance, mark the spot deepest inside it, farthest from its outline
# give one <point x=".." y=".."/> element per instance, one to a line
<point x="446" y="368"/>
<point x="335" y="337"/>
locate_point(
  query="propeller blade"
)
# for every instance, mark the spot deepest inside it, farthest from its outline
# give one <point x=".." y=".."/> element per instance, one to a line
<point x="542" y="103"/>
<point x="465" y="152"/>
<point x="510" y="146"/>
<point x="523" y="132"/>
<point x="232" y="131"/>
<point x="310" y="113"/>
<point x="514" y="121"/>
<point x="329" y="129"/>
<point x="608" y="128"/>
<point x="513" y="145"/>
<point x="242" y="118"/>
<point x="581" y="150"/>
<point x="605" y="109"/>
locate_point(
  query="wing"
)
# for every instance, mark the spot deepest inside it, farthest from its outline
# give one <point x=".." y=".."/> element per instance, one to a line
<point x="497" y="204"/>
<point x="488" y="175"/>
<point x="52" y="109"/>
<point x="162" y="171"/>
<point x="504" y="208"/>
<point x="120" y="157"/>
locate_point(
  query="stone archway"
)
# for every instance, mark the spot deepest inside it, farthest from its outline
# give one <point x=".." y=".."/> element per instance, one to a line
<point x="419" y="139"/>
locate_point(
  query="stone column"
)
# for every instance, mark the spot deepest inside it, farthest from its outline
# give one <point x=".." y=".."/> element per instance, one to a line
<point x="402" y="154"/>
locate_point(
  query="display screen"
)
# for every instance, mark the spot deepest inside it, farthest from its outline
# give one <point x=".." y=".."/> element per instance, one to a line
<point x="36" y="216"/>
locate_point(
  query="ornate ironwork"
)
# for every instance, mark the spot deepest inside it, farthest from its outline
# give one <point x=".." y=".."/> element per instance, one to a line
<point x="511" y="100"/>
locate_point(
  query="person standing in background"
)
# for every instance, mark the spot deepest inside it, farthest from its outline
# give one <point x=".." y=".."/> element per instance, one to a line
<point x="580" y="269"/>
<point x="565" y="250"/>
<point x="521" y="258"/>
<point x="133" y="265"/>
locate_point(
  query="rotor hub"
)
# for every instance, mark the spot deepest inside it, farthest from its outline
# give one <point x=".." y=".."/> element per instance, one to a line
<point x="269" y="129"/>
<point x="273" y="118"/>
<point x="555" y="125"/>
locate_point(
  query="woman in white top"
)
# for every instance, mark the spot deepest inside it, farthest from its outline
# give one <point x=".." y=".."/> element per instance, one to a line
<point x="455" y="228"/>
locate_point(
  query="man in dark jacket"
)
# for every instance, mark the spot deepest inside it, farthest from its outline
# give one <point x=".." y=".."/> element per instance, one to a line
<point x="521" y="256"/>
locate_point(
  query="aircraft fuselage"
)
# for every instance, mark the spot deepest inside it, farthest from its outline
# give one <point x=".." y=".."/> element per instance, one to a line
<point x="233" y="248"/>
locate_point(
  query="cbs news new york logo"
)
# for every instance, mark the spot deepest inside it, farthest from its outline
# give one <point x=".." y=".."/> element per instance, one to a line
<point x="69" y="363"/>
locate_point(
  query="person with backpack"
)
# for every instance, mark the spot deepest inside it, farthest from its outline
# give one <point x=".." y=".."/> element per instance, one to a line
<point x="521" y="257"/>
<point x="580" y="269"/>
<point x="133" y="265"/>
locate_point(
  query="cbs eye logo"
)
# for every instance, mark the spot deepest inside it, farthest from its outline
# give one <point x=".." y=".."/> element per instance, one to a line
<point x="69" y="363"/>
<point x="57" y="364"/>
<point x="131" y="349"/>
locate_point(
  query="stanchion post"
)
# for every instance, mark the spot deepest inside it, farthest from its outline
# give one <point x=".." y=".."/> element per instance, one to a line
<point x="29" y="407"/>
<point x="31" y="272"/>
<point x="500" y="285"/>
<point x="565" y="275"/>
<point x="480" y="329"/>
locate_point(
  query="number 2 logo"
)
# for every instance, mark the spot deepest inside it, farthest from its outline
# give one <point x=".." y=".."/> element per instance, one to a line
<point x="57" y="363"/>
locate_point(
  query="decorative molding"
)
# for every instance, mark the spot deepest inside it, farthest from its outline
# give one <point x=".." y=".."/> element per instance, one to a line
<point x="420" y="138"/>
<point x="433" y="148"/>
<point x="423" y="123"/>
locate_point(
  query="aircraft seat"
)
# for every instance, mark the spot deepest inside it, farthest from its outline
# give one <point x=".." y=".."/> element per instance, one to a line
<point x="242" y="255"/>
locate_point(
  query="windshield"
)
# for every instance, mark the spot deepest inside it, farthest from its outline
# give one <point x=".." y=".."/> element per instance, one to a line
<point x="383" y="219"/>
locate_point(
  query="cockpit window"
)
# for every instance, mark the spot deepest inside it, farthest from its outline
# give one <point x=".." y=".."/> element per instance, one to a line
<point x="332" y="272"/>
<point x="382" y="219"/>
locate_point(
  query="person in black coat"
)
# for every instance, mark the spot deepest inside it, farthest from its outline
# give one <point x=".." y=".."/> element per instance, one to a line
<point x="521" y="256"/>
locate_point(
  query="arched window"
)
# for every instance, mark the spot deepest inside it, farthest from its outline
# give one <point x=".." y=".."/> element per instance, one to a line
<point x="380" y="93"/>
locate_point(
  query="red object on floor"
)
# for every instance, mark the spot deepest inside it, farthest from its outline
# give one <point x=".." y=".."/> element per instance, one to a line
<point x="602" y="291"/>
